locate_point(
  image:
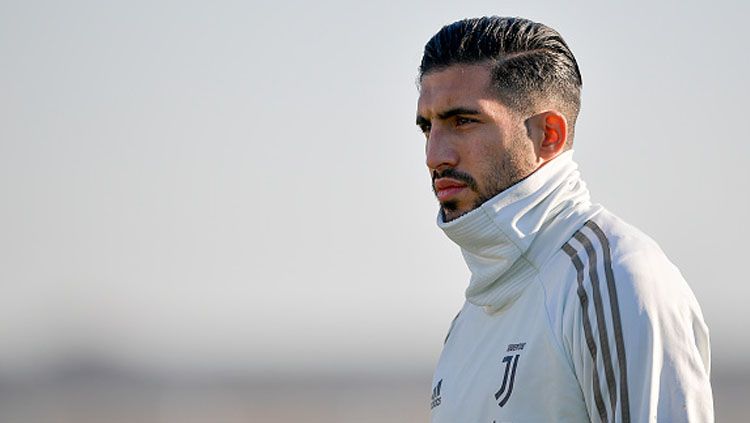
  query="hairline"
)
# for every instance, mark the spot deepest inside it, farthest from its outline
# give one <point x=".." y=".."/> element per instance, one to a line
<point x="533" y="101"/>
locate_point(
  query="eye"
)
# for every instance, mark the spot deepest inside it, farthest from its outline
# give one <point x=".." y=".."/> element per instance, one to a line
<point x="425" y="128"/>
<point x="460" y="120"/>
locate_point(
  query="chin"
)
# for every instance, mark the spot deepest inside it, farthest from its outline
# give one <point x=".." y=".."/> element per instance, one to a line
<point x="449" y="214"/>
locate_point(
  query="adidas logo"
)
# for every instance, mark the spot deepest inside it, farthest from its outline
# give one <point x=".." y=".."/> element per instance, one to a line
<point x="436" y="395"/>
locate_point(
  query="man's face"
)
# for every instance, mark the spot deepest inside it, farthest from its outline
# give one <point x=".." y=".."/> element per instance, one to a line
<point x="476" y="147"/>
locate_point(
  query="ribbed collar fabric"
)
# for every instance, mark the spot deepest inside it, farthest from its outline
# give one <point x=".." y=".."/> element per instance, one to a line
<point x="506" y="239"/>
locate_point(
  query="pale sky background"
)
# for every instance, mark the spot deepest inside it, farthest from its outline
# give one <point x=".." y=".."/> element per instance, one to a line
<point x="231" y="185"/>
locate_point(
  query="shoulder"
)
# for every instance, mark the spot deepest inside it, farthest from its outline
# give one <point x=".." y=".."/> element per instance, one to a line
<point x="628" y="259"/>
<point x="610" y="255"/>
<point x="626" y="318"/>
<point x="611" y="274"/>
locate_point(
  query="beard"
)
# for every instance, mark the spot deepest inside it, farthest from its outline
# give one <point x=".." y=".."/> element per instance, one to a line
<point x="452" y="205"/>
<point x="512" y="167"/>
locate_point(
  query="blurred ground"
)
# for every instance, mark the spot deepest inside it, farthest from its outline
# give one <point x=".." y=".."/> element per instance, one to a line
<point x="104" y="396"/>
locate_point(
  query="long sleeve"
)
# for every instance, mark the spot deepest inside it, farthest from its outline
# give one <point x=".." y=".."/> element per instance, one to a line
<point x="636" y="336"/>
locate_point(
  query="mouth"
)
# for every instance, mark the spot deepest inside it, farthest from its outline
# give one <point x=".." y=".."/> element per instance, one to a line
<point x="447" y="188"/>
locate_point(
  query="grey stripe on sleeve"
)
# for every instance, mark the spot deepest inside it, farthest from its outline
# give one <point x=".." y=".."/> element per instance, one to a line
<point x="601" y="321"/>
<point x="583" y="297"/>
<point x="617" y="323"/>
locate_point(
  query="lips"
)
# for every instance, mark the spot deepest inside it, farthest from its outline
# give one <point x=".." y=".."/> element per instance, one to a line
<point x="445" y="188"/>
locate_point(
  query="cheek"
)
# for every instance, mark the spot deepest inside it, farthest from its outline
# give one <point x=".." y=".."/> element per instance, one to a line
<point x="490" y="155"/>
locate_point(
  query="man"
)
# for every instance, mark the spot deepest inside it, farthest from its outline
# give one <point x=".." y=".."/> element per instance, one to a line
<point x="571" y="314"/>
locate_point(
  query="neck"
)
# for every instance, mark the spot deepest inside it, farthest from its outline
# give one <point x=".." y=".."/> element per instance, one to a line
<point x="512" y="233"/>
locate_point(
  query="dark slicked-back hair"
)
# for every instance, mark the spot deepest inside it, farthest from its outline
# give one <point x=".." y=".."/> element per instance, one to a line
<point x="531" y="63"/>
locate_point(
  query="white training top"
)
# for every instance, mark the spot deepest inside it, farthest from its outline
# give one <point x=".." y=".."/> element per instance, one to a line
<point x="571" y="316"/>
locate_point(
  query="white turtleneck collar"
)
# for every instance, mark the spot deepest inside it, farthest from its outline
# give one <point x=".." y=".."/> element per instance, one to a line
<point x="506" y="239"/>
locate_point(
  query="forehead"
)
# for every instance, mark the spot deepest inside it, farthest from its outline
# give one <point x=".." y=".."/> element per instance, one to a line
<point x="454" y="86"/>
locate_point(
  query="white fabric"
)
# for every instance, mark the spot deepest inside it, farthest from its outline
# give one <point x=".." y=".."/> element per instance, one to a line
<point x="524" y="320"/>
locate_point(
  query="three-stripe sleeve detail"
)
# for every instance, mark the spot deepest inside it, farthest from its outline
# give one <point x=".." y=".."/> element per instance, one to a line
<point x="583" y="297"/>
<point x="601" y="321"/>
<point x="616" y="321"/>
<point x="591" y="269"/>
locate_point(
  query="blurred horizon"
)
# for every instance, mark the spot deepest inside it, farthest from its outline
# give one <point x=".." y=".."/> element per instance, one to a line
<point x="97" y="394"/>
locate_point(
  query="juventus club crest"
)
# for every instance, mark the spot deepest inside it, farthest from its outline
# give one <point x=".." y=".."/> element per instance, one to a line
<point x="509" y="374"/>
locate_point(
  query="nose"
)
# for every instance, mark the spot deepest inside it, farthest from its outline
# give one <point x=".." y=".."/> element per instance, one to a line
<point x="440" y="153"/>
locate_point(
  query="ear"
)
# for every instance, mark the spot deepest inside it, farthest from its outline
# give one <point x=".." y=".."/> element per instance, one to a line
<point x="549" y="130"/>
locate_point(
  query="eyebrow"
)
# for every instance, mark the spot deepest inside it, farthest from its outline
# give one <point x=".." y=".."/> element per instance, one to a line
<point x="421" y="120"/>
